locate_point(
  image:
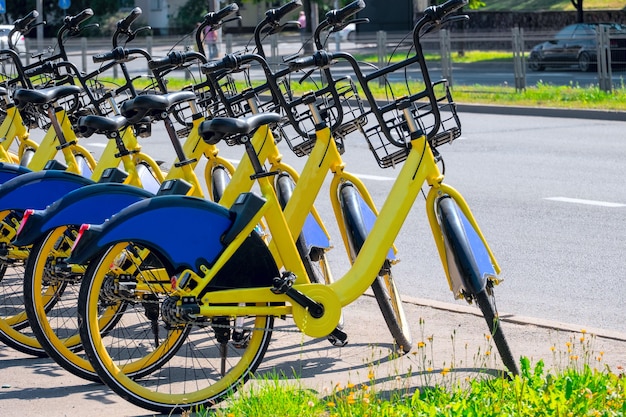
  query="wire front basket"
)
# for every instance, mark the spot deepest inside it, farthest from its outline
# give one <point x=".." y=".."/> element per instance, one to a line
<point x="384" y="137"/>
<point x="343" y="113"/>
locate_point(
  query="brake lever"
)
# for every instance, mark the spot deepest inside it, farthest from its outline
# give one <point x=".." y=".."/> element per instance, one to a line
<point x="279" y="28"/>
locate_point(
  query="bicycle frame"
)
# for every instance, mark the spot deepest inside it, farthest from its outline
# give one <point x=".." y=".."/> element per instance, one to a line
<point x="419" y="168"/>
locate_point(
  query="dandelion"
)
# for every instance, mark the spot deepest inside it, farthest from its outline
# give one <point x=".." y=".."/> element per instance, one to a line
<point x="311" y="404"/>
<point x="365" y="400"/>
<point x="350" y="399"/>
<point x="430" y="338"/>
<point x="429" y="369"/>
<point x="350" y="385"/>
<point x="487" y="353"/>
<point x="330" y="404"/>
<point x="445" y="371"/>
<point x="583" y="331"/>
<point x="488" y="336"/>
<point x="420" y="344"/>
<point x="582" y="339"/>
<point x="370" y="375"/>
<point x="552" y="348"/>
<point x="574" y="357"/>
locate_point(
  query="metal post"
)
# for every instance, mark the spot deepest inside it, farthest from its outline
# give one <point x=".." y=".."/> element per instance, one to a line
<point x="519" y="59"/>
<point x="83" y="53"/>
<point x="605" y="74"/>
<point x="381" y="41"/>
<point x="446" y="60"/>
<point x="228" y="41"/>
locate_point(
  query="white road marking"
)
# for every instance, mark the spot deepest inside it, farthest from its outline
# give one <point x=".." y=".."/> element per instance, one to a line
<point x="587" y="202"/>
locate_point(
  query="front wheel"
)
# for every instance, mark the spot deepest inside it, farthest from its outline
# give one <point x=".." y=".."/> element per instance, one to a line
<point x="191" y="363"/>
<point x="384" y="286"/>
<point x="477" y="287"/>
<point x="584" y="62"/>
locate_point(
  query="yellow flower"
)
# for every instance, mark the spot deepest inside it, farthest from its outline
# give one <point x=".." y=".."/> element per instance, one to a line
<point x="552" y="348"/>
<point x="429" y="369"/>
<point x="582" y="339"/>
<point x="350" y="399"/>
<point x="583" y="331"/>
<point x="445" y="371"/>
<point x="371" y="375"/>
<point x="421" y="344"/>
<point x="350" y="385"/>
<point x="574" y="357"/>
<point x="330" y="404"/>
<point x="487" y="353"/>
<point x="487" y="336"/>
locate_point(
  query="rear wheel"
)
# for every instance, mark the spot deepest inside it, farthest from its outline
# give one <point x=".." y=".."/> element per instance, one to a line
<point x="192" y="363"/>
<point x="534" y="64"/>
<point x="14" y="328"/>
<point x="477" y="287"/>
<point x="56" y="328"/>
<point x="383" y="286"/>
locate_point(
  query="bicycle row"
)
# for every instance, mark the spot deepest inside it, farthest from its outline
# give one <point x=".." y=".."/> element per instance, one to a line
<point x="171" y="316"/>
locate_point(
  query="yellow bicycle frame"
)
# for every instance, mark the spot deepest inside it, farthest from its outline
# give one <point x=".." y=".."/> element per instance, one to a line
<point x="420" y="167"/>
<point x="12" y="128"/>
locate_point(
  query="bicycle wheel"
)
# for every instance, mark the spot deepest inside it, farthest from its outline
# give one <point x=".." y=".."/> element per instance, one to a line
<point x="384" y="286"/>
<point x="56" y="327"/>
<point x="220" y="177"/>
<point x="477" y="287"/>
<point x="314" y="259"/>
<point x="14" y="328"/>
<point x="191" y="364"/>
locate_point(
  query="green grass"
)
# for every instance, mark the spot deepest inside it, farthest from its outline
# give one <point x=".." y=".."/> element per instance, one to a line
<point x="582" y="385"/>
<point x="554" y="5"/>
<point x="583" y="391"/>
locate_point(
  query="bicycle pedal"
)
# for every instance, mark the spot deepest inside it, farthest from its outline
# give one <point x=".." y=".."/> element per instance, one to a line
<point x="338" y="338"/>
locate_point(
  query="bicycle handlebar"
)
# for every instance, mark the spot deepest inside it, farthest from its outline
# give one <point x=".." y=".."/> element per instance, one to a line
<point x="73" y="21"/>
<point x="176" y="58"/>
<point x="22" y="24"/>
<point x="124" y="24"/>
<point x="275" y="15"/>
<point x="119" y="54"/>
<point x="215" y="18"/>
<point x="338" y="16"/>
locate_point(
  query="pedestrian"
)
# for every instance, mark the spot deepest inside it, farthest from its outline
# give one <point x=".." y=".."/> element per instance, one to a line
<point x="210" y="39"/>
<point x="302" y="23"/>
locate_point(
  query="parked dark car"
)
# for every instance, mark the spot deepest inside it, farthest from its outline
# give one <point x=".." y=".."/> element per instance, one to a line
<point x="576" y="45"/>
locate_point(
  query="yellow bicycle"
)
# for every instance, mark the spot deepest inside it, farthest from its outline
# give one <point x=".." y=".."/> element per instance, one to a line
<point x="219" y="287"/>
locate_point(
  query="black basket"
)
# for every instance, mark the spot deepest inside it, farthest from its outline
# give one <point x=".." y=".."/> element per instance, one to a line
<point x="384" y="140"/>
<point x="353" y="117"/>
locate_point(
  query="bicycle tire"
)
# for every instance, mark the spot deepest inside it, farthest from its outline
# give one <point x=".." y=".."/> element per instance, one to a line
<point x="383" y="286"/>
<point x="15" y="330"/>
<point x="220" y="177"/>
<point x="315" y="262"/>
<point x="466" y="263"/>
<point x="192" y="374"/>
<point x="56" y="328"/>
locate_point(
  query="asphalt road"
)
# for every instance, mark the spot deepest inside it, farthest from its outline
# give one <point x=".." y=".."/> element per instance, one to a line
<point x="549" y="195"/>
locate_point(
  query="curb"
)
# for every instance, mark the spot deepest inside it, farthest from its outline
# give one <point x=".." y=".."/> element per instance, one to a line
<point x="618" y="116"/>
<point x="517" y="319"/>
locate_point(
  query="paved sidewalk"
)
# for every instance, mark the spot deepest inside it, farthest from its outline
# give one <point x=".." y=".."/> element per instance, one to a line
<point x="453" y="334"/>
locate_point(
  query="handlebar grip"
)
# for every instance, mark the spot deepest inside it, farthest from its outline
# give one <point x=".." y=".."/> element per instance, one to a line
<point x="125" y="23"/>
<point x="229" y="62"/>
<point x="115" y="54"/>
<point x="448" y="7"/>
<point x="45" y="68"/>
<point x="277" y="14"/>
<point x="318" y="59"/>
<point x="214" y="18"/>
<point x="173" y="58"/>
<point x="338" y="16"/>
<point x="23" y="23"/>
<point x="79" y="18"/>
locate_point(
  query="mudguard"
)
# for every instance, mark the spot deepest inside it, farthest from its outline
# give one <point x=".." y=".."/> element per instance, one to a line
<point x="187" y="232"/>
<point x="36" y="190"/>
<point x="10" y="171"/>
<point x="465" y="248"/>
<point x="92" y="204"/>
